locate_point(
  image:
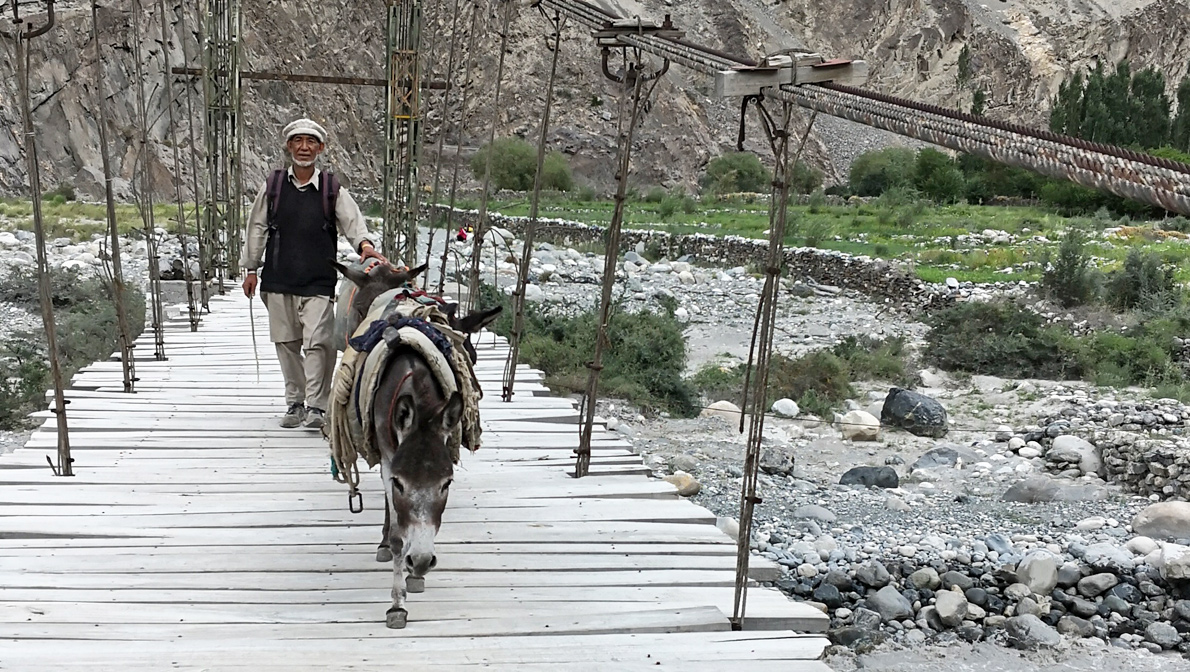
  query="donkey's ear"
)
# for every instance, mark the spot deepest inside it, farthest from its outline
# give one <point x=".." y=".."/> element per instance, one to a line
<point x="404" y="415"/>
<point x="452" y="412"/>
<point x="414" y="272"/>
<point x="356" y="276"/>
<point x="477" y="320"/>
<point x="450" y="310"/>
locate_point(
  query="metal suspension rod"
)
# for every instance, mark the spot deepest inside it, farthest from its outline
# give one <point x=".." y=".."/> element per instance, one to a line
<point x="167" y="96"/>
<point x="762" y="342"/>
<point x="634" y="70"/>
<point x="449" y="76"/>
<point x="402" y="127"/>
<point x="463" y="123"/>
<point x="124" y="334"/>
<point x="200" y="235"/>
<point x="518" y="297"/>
<point x="145" y="196"/>
<point x="20" y="37"/>
<point x="482" y="219"/>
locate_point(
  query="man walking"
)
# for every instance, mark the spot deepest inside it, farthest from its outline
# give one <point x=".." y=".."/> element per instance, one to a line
<point x="294" y="227"/>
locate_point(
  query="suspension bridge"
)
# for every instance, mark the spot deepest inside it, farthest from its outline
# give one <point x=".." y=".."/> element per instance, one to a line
<point x="176" y="526"/>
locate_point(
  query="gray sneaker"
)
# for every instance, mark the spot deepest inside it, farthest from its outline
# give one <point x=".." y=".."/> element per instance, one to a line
<point x="294" y="416"/>
<point x="314" y="418"/>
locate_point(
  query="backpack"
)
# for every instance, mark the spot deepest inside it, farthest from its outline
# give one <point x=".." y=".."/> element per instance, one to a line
<point x="328" y="187"/>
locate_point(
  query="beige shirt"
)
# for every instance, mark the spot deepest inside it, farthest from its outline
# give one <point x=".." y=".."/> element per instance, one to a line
<point x="347" y="216"/>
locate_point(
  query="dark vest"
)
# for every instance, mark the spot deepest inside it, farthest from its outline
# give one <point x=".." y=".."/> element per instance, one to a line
<point x="300" y="247"/>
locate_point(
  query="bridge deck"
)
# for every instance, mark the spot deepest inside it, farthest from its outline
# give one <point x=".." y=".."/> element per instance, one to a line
<point x="199" y="535"/>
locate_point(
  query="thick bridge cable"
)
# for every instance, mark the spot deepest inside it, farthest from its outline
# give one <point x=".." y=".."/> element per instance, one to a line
<point x="1148" y="179"/>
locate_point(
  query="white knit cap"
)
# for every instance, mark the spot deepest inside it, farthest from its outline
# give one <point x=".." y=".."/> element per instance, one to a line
<point x="305" y="127"/>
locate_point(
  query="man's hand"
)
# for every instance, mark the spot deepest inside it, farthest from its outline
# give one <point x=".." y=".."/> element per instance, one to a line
<point x="250" y="285"/>
<point x="369" y="252"/>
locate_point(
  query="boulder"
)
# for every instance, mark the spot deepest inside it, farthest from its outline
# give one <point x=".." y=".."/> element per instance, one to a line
<point x="866" y="619"/>
<point x="881" y="477"/>
<point x="815" y="512"/>
<point x="951" y="608"/>
<point x="1140" y="545"/>
<point x="1174" y="562"/>
<point x="687" y="485"/>
<point x="1163" y="520"/>
<point x="1030" y="632"/>
<point x="1068" y="449"/>
<point x="874" y="575"/>
<point x="859" y="426"/>
<point x="1096" y="584"/>
<point x="1039" y="571"/>
<point x="723" y="409"/>
<point x="944" y="457"/>
<point x="914" y="412"/>
<point x="1037" y="489"/>
<point x="1163" y="635"/>
<point x="890" y="604"/>
<point x="777" y="460"/>
<point x="786" y="408"/>
<point x="926" y="577"/>
<point x="1073" y="626"/>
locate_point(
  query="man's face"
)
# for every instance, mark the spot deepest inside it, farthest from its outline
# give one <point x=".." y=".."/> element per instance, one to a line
<point x="304" y="149"/>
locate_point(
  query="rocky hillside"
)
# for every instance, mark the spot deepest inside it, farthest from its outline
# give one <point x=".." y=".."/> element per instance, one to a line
<point x="1018" y="51"/>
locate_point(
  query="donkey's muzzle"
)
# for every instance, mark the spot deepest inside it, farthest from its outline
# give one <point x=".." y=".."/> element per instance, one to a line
<point x="421" y="563"/>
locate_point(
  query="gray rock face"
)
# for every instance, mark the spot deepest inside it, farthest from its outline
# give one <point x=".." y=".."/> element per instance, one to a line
<point x="1163" y="635"/>
<point x="815" y="512"/>
<point x="951" y="608"/>
<point x="881" y="477"/>
<point x="1073" y="626"/>
<point x="874" y="575"/>
<point x="1030" y="633"/>
<point x="1164" y="520"/>
<point x="777" y="460"/>
<point x="1038" y="571"/>
<point x="1108" y="556"/>
<point x="890" y="604"/>
<point x="1072" y="450"/>
<point x="1096" y="584"/>
<point x="914" y="412"/>
<point x="1044" y="489"/>
<point x="866" y="619"/>
<point x="926" y="577"/>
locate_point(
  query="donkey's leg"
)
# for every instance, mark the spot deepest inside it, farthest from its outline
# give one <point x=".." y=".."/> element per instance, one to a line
<point x="396" y="617"/>
<point x="383" y="552"/>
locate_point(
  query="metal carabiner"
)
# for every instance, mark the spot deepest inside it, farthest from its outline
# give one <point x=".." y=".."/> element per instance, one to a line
<point x="353" y="498"/>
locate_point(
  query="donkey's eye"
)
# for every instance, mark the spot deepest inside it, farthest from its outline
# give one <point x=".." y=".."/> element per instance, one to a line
<point x="446" y="485"/>
<point x="398" y="485"/>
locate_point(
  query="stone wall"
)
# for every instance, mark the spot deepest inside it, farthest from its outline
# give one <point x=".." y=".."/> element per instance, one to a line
<point x="876" y="277"/>
<point x="1147" y="466"/>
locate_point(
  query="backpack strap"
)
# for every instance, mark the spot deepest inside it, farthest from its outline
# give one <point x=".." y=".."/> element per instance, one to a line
<point x="273" y="192"/>
<point x="329" y="188"/>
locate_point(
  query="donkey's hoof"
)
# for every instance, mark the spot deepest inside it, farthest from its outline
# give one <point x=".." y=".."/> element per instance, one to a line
<point x="396" y="618"/>
<point x="384" y="554"/>
<point x="415" y="584"/>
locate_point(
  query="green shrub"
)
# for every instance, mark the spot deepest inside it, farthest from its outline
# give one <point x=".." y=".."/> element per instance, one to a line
<point x="87" y="332"/>
<point x="643" y="363"/>
<point x="1070" y="279"/>
<point x="997" y="339"/>
<point x="737" y="172"/>
<point x="60" y="194"/>
<point x="804" y="179"/>
<point x="654" y="195"/>
<point x="873" y="173"/>
<point x="817" y="201"/>
<point x="514" y="165"/>
<point x="1143" y="282"/>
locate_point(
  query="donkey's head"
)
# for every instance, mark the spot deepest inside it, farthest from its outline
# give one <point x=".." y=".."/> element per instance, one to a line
<point x="371" y="284"/>
<point x="471" y="324"/>
<point x="420" y="472"/>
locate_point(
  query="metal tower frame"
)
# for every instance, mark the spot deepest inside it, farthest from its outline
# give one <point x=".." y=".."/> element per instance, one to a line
<point x="221" y="91"/>
<point x="402" y="128"/>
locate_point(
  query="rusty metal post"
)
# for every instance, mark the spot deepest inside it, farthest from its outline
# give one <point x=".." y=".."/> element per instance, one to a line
<point x="127" y="360"/>
<point x="759" y="358"/>
<point x="518" y="297"/>
<point x="481" y="220"/>
<point x="634" y="76"/>
<point x="168" y="99"/>
<point x="24" y="32"/>
<point x="144" y="201"/>
<point x="463" y="122"/>
<point x="442" y="126"/>
<point x="199" y="234"/>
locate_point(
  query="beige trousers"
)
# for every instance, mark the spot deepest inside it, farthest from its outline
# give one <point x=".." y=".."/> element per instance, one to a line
<point x="297" y="325"/>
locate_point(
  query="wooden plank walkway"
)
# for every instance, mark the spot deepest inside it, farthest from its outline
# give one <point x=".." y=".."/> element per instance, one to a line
<point x="198" y="535"/>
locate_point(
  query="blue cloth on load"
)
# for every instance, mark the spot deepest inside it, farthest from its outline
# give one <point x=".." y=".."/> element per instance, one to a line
<point x="368" y="340"/>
